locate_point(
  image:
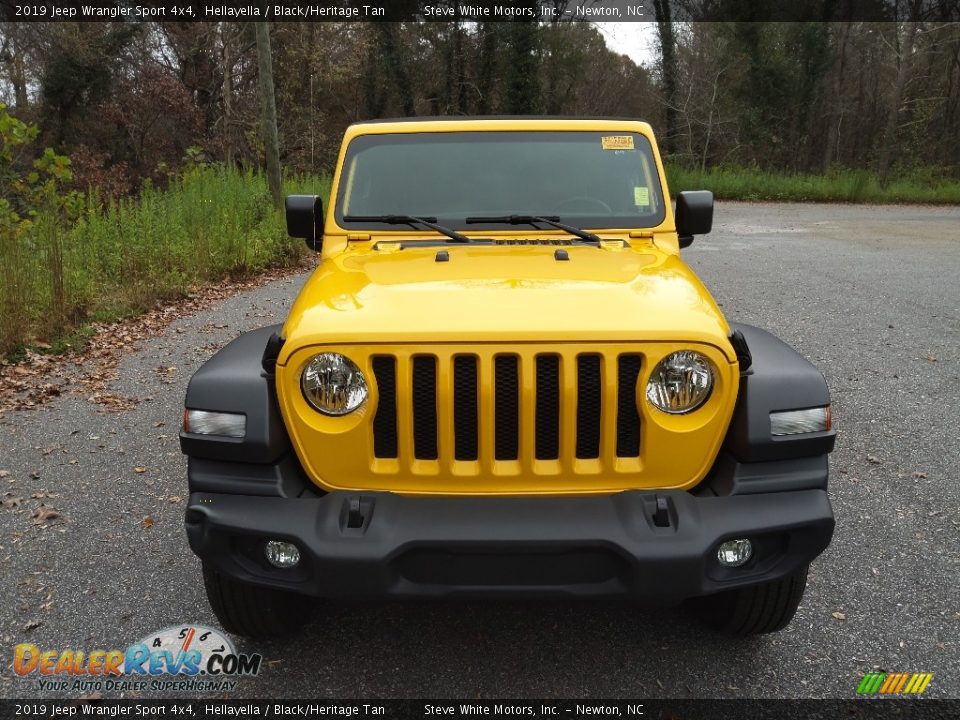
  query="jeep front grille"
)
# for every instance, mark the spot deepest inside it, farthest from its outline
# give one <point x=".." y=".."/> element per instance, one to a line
<point x="507" y="409"/>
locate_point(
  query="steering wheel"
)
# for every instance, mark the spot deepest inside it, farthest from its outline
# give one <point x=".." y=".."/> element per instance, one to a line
<point x="583" y="200"/>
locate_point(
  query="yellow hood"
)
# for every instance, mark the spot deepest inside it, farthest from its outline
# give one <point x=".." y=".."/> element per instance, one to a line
<point x="503" y="292"/>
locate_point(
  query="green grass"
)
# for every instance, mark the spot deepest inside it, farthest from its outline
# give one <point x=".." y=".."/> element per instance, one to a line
<point x="839" y="185"/>
<point x="121" y="258"/>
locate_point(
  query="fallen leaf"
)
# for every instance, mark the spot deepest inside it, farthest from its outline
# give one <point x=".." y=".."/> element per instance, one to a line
<point x="919" y="475"/>
<point x="139" y="469"/>
<point x="873" y="459"/>
<point x="32" y="624"/>
<point x="44" y="513"/>
<point x="11" y="502"/>
<point x="931" y="358"/>
<point x="148" y="522"/>
<point x="839" y="615"/>
<point x="35" y="474"/>
<point x="176" y="499"/>
<point x="4" y="473"/>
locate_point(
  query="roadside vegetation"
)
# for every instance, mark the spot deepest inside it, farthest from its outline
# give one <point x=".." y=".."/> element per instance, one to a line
<point x="835" y="185"/>
<point x="69" y="258"/>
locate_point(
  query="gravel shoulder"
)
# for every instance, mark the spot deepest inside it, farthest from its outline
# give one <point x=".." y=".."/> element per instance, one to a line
<point x="868" y="294"/>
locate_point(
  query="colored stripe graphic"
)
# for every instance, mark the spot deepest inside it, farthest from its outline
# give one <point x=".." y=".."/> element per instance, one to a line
<point x="889" y="683"/>
<point x="870" y="683"/>
<point x="900" y="683"/>
<point x="894" y="683"/>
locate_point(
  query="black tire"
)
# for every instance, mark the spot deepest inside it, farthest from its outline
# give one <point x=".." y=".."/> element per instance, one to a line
<point x="756" y="609"/>
<point x="253" y="611"/>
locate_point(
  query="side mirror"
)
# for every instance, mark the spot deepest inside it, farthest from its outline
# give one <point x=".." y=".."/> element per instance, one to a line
<point x="304" y="219"/>
<point x="694" y="215"/>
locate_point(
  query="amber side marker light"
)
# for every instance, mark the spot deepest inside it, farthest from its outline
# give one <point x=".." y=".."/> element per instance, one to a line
<point x="796" y="422"/>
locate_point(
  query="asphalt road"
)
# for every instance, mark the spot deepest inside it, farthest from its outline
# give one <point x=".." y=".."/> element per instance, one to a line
<point x="869" y="294"/>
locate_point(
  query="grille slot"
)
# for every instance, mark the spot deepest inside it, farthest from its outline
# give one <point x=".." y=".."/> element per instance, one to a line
<point x="628" y="418"/>
<point x="547" y="434"/>
<point x="589" y="391"/>
<point x="506" y="407"/>
<point x="424" y="398"/>
<point x="385" y="421"/>
<point x="465" y="406"/>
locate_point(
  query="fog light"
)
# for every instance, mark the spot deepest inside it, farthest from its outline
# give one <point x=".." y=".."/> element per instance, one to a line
<point x="281" y="554"/>
<point x="734" y="553"/>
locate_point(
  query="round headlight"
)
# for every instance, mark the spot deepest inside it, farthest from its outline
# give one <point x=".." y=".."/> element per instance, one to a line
<point x="333" y="384"/>
<point x="680" y="383"/>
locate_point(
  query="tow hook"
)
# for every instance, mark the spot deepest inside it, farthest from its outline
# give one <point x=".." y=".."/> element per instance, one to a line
<point x="661" y="516"/>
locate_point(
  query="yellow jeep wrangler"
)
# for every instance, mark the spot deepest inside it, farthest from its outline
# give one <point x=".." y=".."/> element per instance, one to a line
<point x="503" y="379"/>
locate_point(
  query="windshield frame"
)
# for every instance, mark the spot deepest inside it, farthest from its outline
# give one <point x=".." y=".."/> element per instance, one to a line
<point x="641" y="142"/>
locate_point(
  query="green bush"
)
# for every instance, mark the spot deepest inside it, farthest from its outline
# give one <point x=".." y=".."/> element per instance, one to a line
<point x="111" y="259"/>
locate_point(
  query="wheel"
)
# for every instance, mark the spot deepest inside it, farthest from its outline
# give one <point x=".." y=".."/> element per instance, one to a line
<point x="755" y="609"/>
<point x="254" y="611"/>
<point x="581" y="201"/>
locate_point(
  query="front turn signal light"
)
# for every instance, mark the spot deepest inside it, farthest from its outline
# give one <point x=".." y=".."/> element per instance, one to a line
<point x="207" y="422"/>
<point x="796" y="422"/>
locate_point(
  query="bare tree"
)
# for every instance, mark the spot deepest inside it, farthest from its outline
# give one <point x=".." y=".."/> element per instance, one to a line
<point x="268" y="107"/>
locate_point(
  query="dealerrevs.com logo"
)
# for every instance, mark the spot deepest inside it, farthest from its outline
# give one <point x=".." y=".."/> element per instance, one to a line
<point x="187" y="658"/>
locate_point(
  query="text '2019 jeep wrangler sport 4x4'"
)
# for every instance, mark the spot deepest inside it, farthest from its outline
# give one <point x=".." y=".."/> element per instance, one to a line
<point x="502" y="378"/>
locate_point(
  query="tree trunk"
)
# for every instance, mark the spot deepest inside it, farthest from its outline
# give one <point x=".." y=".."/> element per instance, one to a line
<point x="889" y="149"/>
<point x="390" y="46"/>
<point x="668" y="71"/>
<point x="227" y="95"/>
<point x="523" y="96"/>
<point x="458" y="63"/>
<point x="268" y="107"/>
<point x="486" y="66"/>
<point x="834" y="104"/>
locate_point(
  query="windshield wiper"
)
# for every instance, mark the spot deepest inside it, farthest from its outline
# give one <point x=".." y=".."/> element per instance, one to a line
<point x="533" y="220"/>
<point x="430" y="222"/>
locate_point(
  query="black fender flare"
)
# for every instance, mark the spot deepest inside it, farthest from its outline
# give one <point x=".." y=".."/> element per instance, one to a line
<point x="779" y="378"/>
<point x="234" y="380"/>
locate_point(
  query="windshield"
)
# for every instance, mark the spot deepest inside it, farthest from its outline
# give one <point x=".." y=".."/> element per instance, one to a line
<point x="586" y="179"/>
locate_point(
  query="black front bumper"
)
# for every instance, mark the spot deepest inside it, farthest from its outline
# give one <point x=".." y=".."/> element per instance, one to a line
<point x="508" y="545"/>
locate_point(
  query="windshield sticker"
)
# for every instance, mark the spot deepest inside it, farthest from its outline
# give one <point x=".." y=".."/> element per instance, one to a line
<point x="641" y="196"/>
<point x="617" y="142"/>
